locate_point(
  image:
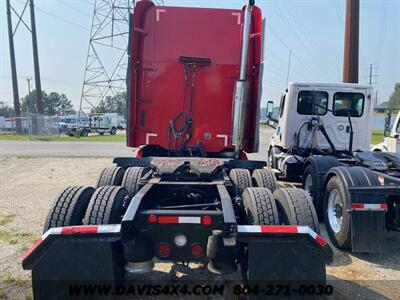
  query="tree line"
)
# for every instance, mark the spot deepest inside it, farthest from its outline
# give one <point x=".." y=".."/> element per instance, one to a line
<point x="58" y="104"/>
<point x="394" y="100"/>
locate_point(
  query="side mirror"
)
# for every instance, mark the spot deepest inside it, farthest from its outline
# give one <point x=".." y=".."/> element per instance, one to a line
<point x="270" y="108"/>
<point x="387" y="128"/>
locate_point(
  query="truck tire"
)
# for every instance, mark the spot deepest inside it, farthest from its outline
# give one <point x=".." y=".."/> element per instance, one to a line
<point x="241" y="179"/>
<point x="338" y="228"/>
<point x="106" y="206"/>
<point x="131" y="180"/>
<point x="101" y="132"/>
<point x="308" y="181"/>
<point x="295" y="207"/>
<point x="260" y="207"/>
<point x="265" y="178"/>
<point x="69" y="207"/>
<point x="113" y="131"/>
<point x="110" y="176"/>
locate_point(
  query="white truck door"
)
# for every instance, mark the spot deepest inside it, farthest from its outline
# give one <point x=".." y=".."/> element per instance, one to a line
<point x="338" y="126"/>
<point x="393" y="141"/>
<point x="310" y="102"/>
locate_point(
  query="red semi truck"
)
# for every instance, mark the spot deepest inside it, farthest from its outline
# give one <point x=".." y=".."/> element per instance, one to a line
<point x="190" y="194"/>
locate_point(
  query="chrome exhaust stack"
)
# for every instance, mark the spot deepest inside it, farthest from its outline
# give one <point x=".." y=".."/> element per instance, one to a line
<point x="242" y="85"/>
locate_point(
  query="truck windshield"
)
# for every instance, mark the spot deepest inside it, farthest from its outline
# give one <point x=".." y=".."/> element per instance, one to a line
<point x="306" y="99"/>
<point x="343" y="103"/>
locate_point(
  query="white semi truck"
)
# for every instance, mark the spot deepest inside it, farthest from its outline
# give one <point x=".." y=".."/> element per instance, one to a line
<point x="322" y="143"/>
<point x="391" y="143"/>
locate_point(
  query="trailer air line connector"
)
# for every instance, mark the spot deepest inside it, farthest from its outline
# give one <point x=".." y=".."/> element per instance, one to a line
<point x="242" y="86"/>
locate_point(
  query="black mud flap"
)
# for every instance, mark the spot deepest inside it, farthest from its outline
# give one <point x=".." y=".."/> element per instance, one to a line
<point x="72" y="266"/>
<point x="367" y="231"/>
<point x="286" y="258"/>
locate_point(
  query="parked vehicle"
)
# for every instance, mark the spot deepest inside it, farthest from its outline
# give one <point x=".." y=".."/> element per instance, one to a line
<point x="104" y="123"/>
<point x="190" y="194"/>
<point x="69" y="123"/>
<point x="322" y="141"/>
<point x="93" y="123"/>
<point x="118" y="121"/>
<point x="391" y="143"/>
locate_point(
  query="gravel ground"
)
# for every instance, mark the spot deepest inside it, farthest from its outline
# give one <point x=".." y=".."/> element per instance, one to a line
<point x="29" y="185"/>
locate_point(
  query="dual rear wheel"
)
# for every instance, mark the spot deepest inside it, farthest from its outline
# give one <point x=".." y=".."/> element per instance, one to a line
<point x="267" y="204"/>
<point x="82" y="205"/>
<point x="286" y="206"/>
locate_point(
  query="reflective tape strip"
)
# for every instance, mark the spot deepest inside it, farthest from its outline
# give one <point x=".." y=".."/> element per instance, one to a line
<point x="190" y="220"/>
<point x="178" y="220"/>
<point x="279" y="229"/>
<point x="249" y="229"/>
<point x="168" y="219"/>
<point x="272" y="229"/>
<point x="51" y="231"/>
<point x="32" y="248"/>
<point x="109" y="228"/>
<point x="367" y="206"/>
<point x="79" y="230"/>
<point x="91" y="229"/>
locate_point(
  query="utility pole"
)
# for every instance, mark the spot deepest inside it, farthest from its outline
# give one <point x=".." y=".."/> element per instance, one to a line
<point x="29" y="84"/>
<point x="370" y="74"/>
<point x="17" y="107"/>
<point x="351" y="41"/>
<point x="38" y="86"/>
<point x="288" y="68"/>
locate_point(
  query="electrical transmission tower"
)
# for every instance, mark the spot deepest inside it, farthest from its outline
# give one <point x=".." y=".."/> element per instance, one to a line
<point x="107" y="60"/>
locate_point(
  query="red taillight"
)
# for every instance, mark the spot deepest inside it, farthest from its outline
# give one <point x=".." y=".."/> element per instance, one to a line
<point x="163" y="250"/>
<point x="152" y="219"/>
<point x="206" y="220"/>
<point x="243" y="155"/>
<point x="196" y="250"/>
<point x="139" y="153"/>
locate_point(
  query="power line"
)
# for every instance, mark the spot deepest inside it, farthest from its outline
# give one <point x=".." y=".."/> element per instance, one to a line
<point x="74" y="8"/>
<point x="382" y="32"/>
<point x="302" y="36"/>
<point x="58" y="17"/>
<point x="293" y="54"/>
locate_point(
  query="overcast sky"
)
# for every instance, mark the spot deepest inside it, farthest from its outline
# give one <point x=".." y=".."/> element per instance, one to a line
<point x="312" y="29"/>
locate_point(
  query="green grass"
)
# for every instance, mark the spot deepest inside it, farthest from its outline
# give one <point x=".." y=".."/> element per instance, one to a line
<point x="12" y="237"/>
<point x="379" y="114"/>
<point x="377" y="136"/>
<point x="6" y="219"/>
<point x="63" y="138"/>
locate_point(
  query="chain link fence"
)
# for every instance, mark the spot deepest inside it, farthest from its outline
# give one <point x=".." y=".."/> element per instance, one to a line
<point x="36" y="126"/>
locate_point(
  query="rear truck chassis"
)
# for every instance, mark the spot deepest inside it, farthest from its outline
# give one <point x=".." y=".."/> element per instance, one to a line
<point x="372" y="200"/>
<point x="204" y="231"/>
